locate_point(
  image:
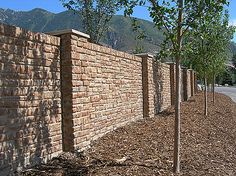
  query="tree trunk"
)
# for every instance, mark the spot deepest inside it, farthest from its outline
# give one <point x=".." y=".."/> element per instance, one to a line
<point x="177" y="120"/>
<point x="205" y="95"/>
<point x="213" y="88"/>
<point x="176" y="166"/>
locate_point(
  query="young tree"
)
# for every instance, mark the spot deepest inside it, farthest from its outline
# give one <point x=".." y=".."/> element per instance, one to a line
<point x="234" y="64"/>
<point x="95" y="15"/>
<point x="175" y="18"/>
<point x="210" y="44"/>
<point x="139" y="36"/>
<point x="222" y="33"/>
<point x="234" y="60"/>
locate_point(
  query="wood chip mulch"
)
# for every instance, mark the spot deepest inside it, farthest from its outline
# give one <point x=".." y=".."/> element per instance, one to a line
<point x="145" y="148"/>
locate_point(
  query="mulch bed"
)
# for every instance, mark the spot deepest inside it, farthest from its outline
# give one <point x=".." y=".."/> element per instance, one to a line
<point x="208" y="145"/>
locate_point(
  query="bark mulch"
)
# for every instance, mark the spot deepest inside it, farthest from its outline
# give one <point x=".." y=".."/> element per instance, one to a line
<point x="145" y="148"/>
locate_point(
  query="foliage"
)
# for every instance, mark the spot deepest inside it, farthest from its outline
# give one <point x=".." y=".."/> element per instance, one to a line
<point x="165" y="16"/>
<point x="139" y="36"/>
<point x="120" y="33"/>
<point x="226" y="77"/>
<point x="210" y="45"/>
<point x="234" y="60"/>
<point x="176" y="18"/>
<point x="95" y="15"/>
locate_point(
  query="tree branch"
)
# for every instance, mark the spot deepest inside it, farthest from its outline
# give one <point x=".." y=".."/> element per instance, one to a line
<point x="164" y="22"/>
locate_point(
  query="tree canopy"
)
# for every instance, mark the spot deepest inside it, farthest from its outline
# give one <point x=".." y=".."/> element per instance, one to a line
<point x="176" y="18"/>
<point x="95" y="13"/>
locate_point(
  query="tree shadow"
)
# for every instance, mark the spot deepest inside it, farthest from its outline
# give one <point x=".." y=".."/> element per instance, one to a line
<point x="158" y="84"/>
<point x="28" y="98"/>
<point x="160" y="98"/>
<point x="71" y="164"/>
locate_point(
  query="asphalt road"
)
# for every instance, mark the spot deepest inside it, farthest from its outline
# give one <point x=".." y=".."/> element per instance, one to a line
<point x="230" y="91"/>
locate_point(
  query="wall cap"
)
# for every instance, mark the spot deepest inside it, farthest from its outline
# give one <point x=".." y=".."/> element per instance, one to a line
<point x="144" y="55"/>
<point x="169" y="63"/>
<point x="68" y="31"/>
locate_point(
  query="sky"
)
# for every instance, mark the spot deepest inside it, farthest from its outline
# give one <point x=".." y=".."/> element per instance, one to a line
<point x="55" y="6"/>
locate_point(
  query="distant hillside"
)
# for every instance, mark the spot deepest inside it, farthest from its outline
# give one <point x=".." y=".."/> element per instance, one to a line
<point x="233" y="48"/>
<point x="120" y="35"/>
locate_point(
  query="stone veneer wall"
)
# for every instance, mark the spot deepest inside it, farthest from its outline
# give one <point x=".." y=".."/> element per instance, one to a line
<point x="60" y="93"/>
<point x="148" y="85"/>
<point x="30" y="100"/>
<point x="162" y="86"/>
<point x="187" y="83"/>
<point x="189" y="90"/>
<point x="101" y="89"/>
<point x="173" y="83"/>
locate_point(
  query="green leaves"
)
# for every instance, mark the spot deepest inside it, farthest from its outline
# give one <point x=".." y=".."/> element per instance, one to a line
<point x="96" y="15"/>
<point x="165" y="17"/>
<point x="210" y="40"/>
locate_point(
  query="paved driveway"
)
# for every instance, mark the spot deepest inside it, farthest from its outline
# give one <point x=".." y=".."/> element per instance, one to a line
<point x="230" y="91"/>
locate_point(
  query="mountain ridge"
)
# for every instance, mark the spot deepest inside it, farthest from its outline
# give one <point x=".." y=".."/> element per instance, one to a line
<point x="120" y="35"/>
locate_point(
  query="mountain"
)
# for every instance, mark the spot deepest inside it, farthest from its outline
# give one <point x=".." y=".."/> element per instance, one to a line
<point x="233" y="48"/>
<point x="119" y="36"/>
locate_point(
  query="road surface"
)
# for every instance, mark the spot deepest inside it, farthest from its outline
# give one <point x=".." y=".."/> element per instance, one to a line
<point x="230" y="91"/>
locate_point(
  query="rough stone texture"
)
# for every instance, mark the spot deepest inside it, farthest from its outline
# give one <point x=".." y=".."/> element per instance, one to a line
<point x="30" y="100"/>
<point x="162" y="89"/>
<point x="189" y="86"/>
<point x="173" y="83"/>
<point x="195" y="82"/>
<point x="102" y="86"/>
<point x="187" y="83"/>
<point x="148" y="84"/>
<point x="62" y="93"/>
<point x="192" y="82"/>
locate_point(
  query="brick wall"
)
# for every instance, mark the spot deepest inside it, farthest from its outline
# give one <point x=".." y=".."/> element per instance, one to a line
<point x="30" y="115"/>
<point x="59" y="93"/>
<point x="162" y="79"/>
<point x="193" y="83"/>
<point x="148" y="84"/>
<point x="173" y="83"/>
<point x="189" y="90"/>
<point x="101" y="89"/>
<point x="187" y="83"/>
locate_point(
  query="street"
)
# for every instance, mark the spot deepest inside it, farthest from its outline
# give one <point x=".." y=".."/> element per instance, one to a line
<point x="229" y="91"/>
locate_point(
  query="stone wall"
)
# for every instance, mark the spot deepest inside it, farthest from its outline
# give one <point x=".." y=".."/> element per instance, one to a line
<point x="189" y="90"/>
<point x="59" y="93"/>
<point x="101" y="89"/>
<point x="162" y="86"/>
<point x="187" y="83"/>
<point x="30" y="100"/>
<point x="148" y="85"/>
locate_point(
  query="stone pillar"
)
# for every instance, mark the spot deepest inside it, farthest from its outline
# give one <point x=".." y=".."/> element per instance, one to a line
<point x="188" y="86"/>
<point x="185" y="84"/>
<point x="192" y="82"/>
<point x="195" y="82"/>
<point x="69" y="69"/>
<point x="148" y="85"/>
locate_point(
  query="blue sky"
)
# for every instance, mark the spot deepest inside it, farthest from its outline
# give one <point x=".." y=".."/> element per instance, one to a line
<point x="56" y="7"/>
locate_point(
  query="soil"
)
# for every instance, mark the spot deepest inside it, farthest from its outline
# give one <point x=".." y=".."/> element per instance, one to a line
<point x="145" y="147"/>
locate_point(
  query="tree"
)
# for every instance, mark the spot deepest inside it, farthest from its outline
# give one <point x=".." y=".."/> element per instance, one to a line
<point x="96" y="15"/>
<point x="222" y="33"/>
<point x="175" y="19"/>
<point x="139" y="36"/>
<point x="210" y="44"/>
<point x="234" y="60"/>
